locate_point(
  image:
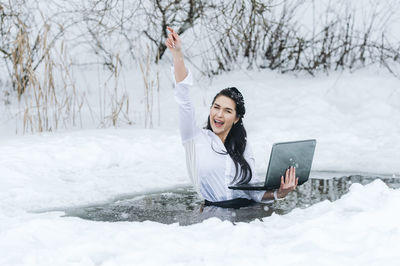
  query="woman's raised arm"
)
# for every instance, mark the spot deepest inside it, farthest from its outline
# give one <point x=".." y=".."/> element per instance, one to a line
<point x="174" y="44"/>
<point x="183" y="82"/>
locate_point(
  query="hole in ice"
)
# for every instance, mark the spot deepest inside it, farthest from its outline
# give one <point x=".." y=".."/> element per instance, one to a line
<point x="183" y="206"/>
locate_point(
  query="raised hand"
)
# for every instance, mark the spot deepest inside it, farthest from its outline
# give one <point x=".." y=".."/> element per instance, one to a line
<point x="173" y="41"/>
<point x="288" y="183"/>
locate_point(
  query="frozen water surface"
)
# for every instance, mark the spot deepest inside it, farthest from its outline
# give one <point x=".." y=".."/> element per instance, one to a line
<point x="183" y="206"/>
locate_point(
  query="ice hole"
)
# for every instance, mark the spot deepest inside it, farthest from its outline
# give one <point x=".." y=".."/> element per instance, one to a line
<point x="183" y="205"/>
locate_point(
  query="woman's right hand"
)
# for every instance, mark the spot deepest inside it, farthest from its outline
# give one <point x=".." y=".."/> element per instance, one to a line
<point x="173" y="41"/>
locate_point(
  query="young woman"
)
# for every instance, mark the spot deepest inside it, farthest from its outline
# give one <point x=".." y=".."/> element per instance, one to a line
<point x="218" y="155"/>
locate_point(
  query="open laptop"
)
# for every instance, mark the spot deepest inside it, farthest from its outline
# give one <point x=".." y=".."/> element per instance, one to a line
<point x="283" y="155"/>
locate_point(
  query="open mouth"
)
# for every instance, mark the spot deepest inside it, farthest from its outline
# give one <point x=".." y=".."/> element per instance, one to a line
<point x="218" y="123"/>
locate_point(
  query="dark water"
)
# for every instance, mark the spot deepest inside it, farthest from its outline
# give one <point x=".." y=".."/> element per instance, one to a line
<point x="183" y="206"/>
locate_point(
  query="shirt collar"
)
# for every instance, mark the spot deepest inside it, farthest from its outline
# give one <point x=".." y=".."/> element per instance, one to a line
<point x="216" y="140"/>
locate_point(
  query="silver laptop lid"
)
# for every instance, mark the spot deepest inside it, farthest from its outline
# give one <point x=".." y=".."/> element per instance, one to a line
<point x="285" y="154"/>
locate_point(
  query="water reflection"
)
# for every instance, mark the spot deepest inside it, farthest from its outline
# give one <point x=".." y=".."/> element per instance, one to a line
<point x="183" y="206"/>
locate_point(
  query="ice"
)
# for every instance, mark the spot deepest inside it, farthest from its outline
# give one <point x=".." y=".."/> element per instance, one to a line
<point x="41" y="174"/>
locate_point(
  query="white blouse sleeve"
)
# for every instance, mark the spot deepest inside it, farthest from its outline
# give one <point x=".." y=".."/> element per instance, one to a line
<point x="187" y="121"/>
<point x="187" y="125"/>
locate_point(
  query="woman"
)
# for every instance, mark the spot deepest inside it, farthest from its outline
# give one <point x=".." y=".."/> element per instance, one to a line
<point x="218" y="155"/>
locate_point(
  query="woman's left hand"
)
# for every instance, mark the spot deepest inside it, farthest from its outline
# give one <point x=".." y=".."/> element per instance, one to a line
<point x="288" y="183"/>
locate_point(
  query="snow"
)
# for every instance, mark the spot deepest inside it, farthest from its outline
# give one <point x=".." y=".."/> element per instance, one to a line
<point x="58" y="170"/>
<point x="354" y="118"/>
<point x="359" y="229"/>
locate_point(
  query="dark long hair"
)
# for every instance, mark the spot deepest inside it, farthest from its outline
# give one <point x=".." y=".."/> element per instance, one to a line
<point x="235" y="142"/>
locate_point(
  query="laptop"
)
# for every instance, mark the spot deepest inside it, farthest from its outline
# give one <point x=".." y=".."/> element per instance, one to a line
<point x="283" y="155"/>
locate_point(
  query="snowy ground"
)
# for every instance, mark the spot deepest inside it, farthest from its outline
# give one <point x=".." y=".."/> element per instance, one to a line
<point x="354" y="118"/>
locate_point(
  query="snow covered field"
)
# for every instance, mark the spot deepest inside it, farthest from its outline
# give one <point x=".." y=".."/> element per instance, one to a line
<point x="354" y="117"/>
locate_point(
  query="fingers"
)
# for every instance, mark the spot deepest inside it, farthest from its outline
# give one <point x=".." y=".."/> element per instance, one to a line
<point x="170" y="42"/>
<point x="171" y="38"/>
<point x="287" y="176"/>
<point x="296" y="182"/>
<point x="289" y="181"/>
<point x="173" y="34"/>
<point x="290" y="178"/>
<point x="292" y="175"/>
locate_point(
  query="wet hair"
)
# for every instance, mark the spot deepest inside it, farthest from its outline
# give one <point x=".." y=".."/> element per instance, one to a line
<point x="236" y="140"/>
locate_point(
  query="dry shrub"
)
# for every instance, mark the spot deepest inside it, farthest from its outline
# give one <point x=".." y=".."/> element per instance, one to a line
<point x="50" y="99"/>
<point x="151" y="81"/>
<point x="114" y="105"/>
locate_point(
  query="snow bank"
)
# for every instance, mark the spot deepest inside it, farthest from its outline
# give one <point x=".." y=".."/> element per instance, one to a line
<point x="360" y="229"/>
<point x="78" y="168"/>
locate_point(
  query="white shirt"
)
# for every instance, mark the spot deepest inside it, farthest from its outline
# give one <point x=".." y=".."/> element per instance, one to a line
<point x="210" y="172"/>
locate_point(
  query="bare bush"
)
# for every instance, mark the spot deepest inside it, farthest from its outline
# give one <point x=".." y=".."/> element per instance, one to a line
<point x="269" y="36"/>
<point x="114" y="101"/>
<point x="110" y="34"/>
<point x="238" y="25"/>
<point x="151" y="81"/>
<point x="181" y="14"/>
<point x="39" y="72"/>
<point x="21" y="30"/>
<point x="48" y="103"/>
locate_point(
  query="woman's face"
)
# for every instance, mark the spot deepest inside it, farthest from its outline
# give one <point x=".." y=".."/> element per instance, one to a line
<point x="223" y="116"/>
